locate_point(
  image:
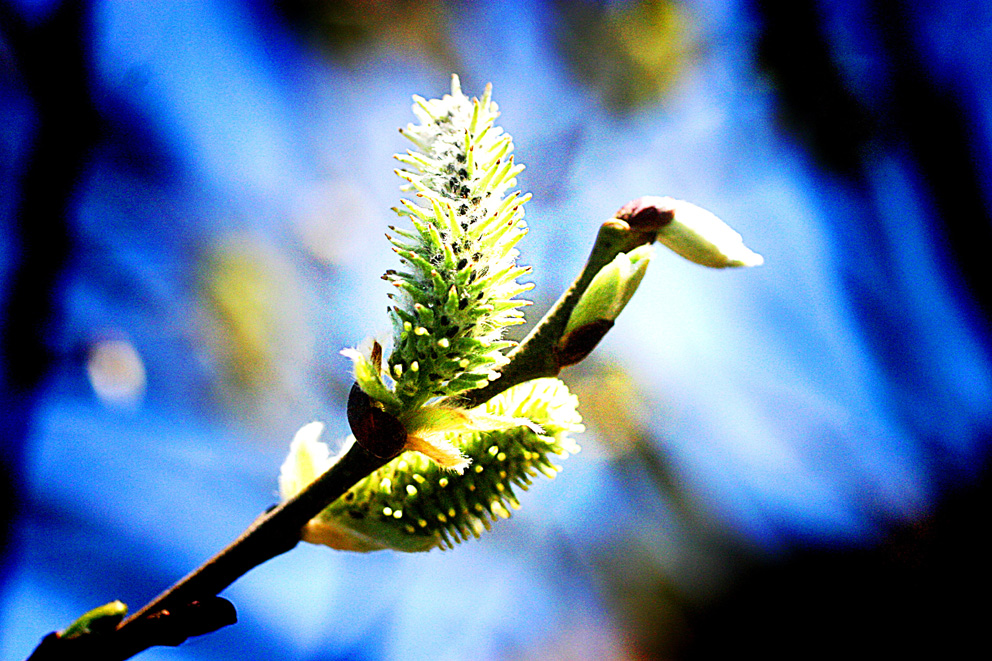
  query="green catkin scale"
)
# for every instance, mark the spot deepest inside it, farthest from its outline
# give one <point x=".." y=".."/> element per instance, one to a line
<point x="412" y="504"/>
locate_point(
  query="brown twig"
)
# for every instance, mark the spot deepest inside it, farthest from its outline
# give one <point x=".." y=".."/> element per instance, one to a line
<point x="179" y="612"/>
<point x="167" y="627"/>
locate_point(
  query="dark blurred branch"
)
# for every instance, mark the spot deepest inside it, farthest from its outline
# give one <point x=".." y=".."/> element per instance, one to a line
<point x="912" y="115"/>
<point x="934" y="124"/>
<point x="49" y="63"/>
<point x="52" y="60"/>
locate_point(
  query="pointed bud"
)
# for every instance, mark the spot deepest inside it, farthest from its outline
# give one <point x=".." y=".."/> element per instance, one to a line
<point x="100" y="620"/>
<point x="611" y="288"/>
<point x="690" y="231"/>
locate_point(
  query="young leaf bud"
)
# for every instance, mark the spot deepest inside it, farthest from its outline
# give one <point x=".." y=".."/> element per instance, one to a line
<point x="690" y="231"/>
<point x="611" y="288"/>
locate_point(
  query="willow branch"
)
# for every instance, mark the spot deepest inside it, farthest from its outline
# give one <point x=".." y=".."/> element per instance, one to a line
<point x="179" y="612"/>
<point x="273" y="533"/>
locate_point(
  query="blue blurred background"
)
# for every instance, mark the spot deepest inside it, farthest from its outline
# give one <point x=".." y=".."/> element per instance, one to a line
<point x="781" y="461"/>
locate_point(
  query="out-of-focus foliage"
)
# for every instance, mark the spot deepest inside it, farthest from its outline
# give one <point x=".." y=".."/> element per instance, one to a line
<point x="632" y="54"/>
<point x="674" y="556"/>
<point x="612" y="404"/>
<point x="349" y="29"/>
<point x="254" y="321"/>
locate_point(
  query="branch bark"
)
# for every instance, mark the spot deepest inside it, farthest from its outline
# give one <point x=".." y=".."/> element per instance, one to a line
<point x="179" y="612"/>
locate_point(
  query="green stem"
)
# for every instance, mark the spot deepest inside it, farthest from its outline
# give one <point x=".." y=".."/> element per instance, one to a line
<point x="539" y="354"/>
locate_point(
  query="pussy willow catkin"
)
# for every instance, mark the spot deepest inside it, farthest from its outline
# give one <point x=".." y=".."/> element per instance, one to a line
<point x="456" y="295"/>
